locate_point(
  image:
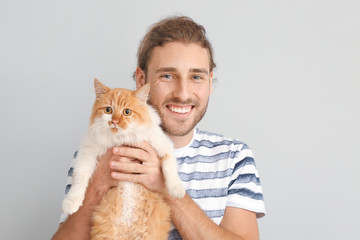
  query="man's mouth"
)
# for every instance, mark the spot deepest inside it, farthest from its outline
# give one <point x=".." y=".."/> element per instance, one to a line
<point x="180" y="109"/>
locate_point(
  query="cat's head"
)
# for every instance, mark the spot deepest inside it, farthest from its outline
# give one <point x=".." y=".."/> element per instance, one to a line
<point x="119" y="108"/>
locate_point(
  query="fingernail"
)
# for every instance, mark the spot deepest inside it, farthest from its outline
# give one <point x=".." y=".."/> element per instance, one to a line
<point x="112" y="164"/>
<point x="116" y="150"/>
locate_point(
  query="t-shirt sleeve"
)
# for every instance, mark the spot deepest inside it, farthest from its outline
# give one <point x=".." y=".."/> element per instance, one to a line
<point x="69" y="182"/>
<point x="245" y="189"/>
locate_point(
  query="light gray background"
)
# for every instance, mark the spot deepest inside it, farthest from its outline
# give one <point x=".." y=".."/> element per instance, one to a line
<point x="288" y="85"/>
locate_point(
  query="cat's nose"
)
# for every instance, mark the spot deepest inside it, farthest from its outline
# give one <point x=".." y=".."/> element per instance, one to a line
<point x="115" y="122"/>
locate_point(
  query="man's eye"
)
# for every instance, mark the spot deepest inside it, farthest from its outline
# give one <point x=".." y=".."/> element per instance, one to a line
<point x="197" y="77"/>
<point x="167" y="76"/>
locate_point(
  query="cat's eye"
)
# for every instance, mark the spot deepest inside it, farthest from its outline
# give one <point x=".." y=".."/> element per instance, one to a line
<point x="127" y="112"/>
<point x="108" y="110"/>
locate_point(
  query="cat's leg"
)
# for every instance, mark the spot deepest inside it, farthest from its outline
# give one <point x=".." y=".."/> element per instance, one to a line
<point x="83" y="170"/>
<point x="172" y="179"/>
<point x="164" y="147"/>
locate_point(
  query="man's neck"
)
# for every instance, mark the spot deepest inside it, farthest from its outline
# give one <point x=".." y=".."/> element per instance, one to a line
<point x="182" y="141"/>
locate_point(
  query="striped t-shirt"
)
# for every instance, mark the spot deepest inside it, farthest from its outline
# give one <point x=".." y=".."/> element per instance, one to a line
<point x="216" y="172"/>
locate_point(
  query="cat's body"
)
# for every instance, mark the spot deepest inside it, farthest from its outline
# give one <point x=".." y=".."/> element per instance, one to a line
<point x="128" y="211"/>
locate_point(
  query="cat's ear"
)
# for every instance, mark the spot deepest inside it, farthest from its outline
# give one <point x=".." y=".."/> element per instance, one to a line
<point x="100" y="88"/>
<point x="143" y="93"/>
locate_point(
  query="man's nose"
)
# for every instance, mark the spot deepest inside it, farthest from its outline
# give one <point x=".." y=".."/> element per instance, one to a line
<point x="182" y="90"/>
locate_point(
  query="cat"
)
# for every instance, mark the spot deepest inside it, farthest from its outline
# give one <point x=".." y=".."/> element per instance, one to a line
<point x="128" y="211"/>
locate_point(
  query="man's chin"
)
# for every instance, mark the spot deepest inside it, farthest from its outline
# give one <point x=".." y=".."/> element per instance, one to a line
<point x="176" y="131"/>
<point x="181" y="127"/>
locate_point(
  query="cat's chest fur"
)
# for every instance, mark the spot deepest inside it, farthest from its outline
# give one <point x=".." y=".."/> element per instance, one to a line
<point x="128" y="195"/>
<point x="130" y="211"/>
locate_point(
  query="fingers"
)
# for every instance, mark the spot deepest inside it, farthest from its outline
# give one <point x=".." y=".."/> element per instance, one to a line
<point x="128" y="172"/>
<point x="130" y="152"/>
<point x="134" y="168"/>
<point x="127" y="177"/>
<point x="142" y="145"/>
<point x="143" y="152"/>
<point x="147" y="147"/>
<point x="122" y="159"/>
<point x="139" y="164"/>
<point x="150" y="181"/>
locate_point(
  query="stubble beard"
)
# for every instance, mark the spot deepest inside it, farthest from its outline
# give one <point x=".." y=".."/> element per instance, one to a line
<point x="181" y="128"/>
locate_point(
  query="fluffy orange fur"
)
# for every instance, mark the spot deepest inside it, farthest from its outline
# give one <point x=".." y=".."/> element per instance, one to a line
<point x="150" y="217"/>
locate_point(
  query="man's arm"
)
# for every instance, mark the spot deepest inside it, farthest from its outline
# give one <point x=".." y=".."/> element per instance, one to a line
<point x="192" y="223"/>
<point x="241" y="221"/>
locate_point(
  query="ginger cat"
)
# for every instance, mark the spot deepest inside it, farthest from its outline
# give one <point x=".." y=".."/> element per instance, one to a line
<point x="128" y="211"/>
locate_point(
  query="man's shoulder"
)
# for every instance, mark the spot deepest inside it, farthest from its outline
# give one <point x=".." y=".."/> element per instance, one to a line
<point x="212" y="140"/>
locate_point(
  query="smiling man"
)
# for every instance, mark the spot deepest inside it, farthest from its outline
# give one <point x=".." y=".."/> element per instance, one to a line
<point x="181" y="82"/>
<point x="224" y="195"/>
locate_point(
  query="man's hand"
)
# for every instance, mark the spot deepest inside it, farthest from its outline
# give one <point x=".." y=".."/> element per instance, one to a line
<point x="138" y="164"/>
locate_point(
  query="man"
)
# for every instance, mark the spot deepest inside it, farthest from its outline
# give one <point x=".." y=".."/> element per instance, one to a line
<point x="224" y="195"/>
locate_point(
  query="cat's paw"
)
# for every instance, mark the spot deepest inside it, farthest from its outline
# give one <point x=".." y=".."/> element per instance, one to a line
<point x="172" y="180"/>
<point x="69" y="206"/>
<point x="177" y="190"/>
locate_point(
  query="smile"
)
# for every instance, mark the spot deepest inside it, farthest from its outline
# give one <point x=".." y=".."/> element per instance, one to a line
<point x="180" y="109"/>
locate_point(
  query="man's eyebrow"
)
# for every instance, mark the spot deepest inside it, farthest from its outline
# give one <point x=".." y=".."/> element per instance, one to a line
<point x="166" y="69"/>
<point x="172" y="69"/>
<point x="199" y="70"/>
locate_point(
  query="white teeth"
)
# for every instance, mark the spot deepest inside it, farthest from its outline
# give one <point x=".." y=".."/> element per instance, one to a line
<point x="180" y="110"/>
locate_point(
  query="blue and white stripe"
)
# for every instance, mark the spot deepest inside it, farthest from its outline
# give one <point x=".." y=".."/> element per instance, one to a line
<point x="218" y="172"/>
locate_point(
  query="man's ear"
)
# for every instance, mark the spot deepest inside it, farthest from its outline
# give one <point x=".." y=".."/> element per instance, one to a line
<point x="140" y="78"/>
<point x="211" y="82"/>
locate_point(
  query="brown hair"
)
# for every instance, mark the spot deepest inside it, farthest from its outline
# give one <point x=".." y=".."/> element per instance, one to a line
<point x="178" y="28"/>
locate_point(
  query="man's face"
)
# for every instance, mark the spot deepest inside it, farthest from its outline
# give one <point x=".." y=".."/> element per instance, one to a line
<point x="181" y="84"/>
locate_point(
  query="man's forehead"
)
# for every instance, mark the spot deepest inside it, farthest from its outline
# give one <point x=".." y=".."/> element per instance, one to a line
<point x="176" y="56"/>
